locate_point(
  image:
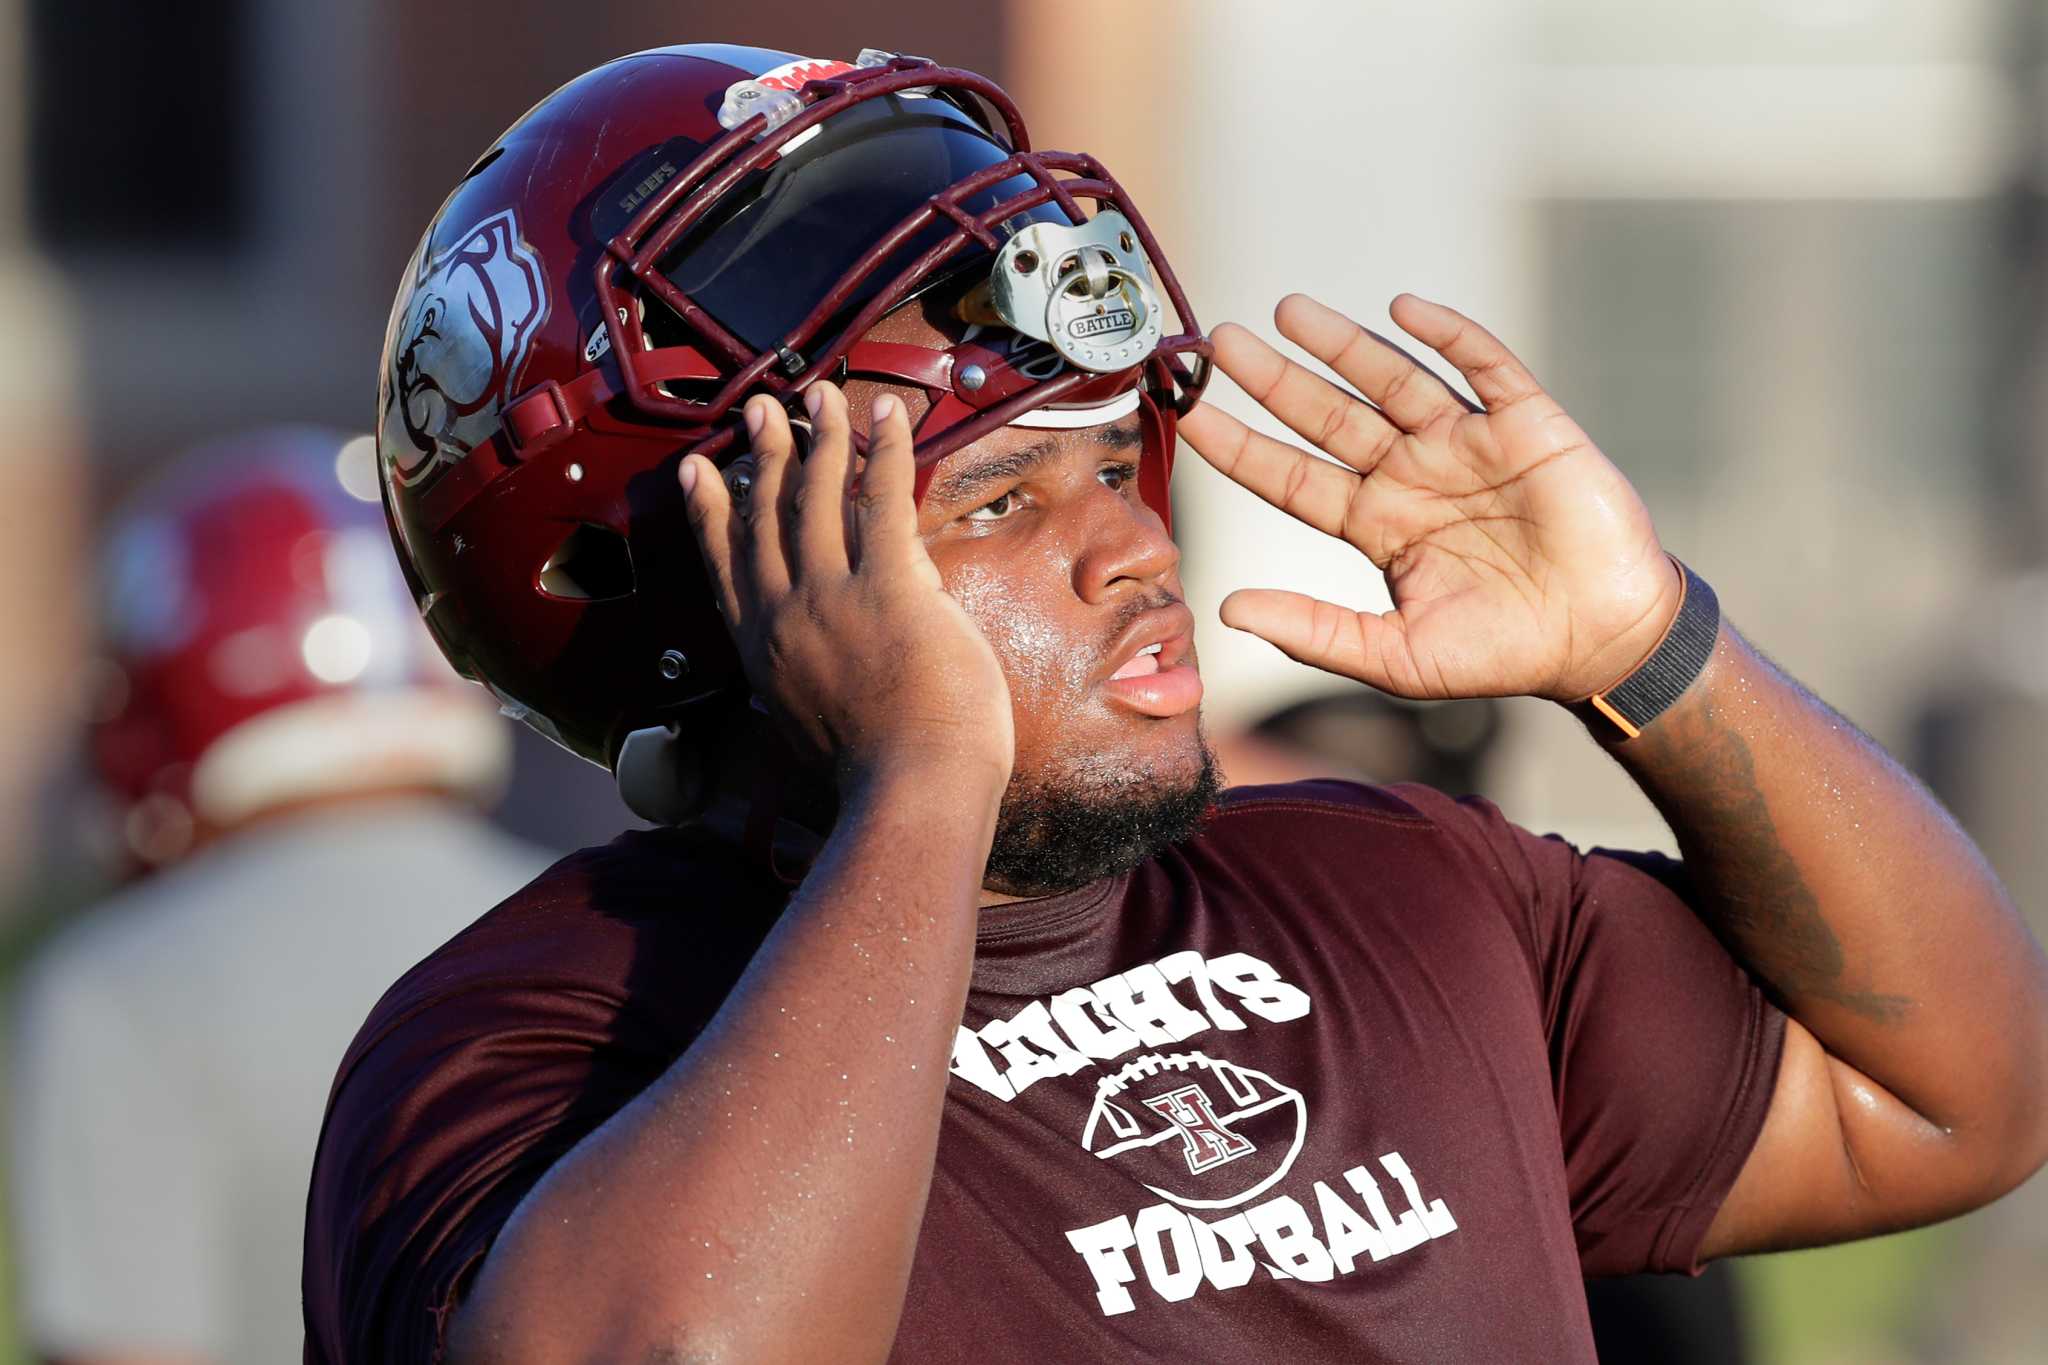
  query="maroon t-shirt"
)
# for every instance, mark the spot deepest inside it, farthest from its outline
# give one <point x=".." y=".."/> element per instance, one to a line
<point x="1355" y="1074"/>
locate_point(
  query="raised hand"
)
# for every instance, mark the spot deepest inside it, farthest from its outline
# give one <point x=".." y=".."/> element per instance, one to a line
<point x="842" y="623"/>
<point x="1519" y="559"/>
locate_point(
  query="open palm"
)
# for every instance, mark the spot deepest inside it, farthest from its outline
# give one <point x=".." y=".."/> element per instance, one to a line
<point x="1519" y="559"/>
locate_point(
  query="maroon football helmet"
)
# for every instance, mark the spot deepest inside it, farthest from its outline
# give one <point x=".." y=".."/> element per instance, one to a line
<point x="258" y="650"/>
<point x="671" y="233"/>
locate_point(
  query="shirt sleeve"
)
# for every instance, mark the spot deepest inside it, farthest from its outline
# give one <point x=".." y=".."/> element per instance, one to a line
<point x="115" y="1188"/>
<point x="445" y="1115"/>
<point x="1664" y="1051"/>
<point x="491" y="1060"/>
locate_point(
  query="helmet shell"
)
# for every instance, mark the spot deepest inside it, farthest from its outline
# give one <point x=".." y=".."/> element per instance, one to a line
<point x="605" y="287"/>
<point x="498" y="299"/>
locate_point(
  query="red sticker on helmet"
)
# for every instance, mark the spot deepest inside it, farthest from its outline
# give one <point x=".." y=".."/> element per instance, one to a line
<point x="797" y="74"/>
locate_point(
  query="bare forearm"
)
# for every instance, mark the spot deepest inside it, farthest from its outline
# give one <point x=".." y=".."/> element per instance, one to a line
<point x="762" y="1200"/>
<point x="1842" y="884"/>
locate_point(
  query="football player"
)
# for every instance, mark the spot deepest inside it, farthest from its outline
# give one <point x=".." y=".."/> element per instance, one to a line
<point x="293" y="777"/>
<point x="791" y="437"/>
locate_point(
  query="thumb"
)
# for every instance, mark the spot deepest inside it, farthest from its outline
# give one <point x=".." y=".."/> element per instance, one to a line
<point x="1322" y="634"/>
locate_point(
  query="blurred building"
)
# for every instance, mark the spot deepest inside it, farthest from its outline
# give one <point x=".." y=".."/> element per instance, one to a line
<point x="41" y="526"/>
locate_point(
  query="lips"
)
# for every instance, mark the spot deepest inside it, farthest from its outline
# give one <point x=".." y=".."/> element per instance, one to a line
<point x="1144" y="647"/>
<point x="1156" y="674"/>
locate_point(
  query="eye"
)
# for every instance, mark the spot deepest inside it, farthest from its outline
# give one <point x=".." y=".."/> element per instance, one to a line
<point x="995" y="510"/>
<point x="1118" y="476"/>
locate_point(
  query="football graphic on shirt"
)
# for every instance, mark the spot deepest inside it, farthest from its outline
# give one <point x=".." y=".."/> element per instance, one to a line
<point x="1196" y="1130"/>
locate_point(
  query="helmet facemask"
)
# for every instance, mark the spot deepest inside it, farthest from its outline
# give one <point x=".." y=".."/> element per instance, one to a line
<point x="723" y="282"/>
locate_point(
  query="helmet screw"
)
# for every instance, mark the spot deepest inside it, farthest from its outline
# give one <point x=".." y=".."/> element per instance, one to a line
<point x="673" y="664"/>
<point x="972" y="377"/>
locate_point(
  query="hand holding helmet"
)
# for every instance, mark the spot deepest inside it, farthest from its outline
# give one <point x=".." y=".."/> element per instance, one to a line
<point x="841" y="622"/>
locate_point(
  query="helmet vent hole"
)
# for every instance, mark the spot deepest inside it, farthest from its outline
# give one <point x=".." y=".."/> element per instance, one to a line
<point x="591" y="565"/>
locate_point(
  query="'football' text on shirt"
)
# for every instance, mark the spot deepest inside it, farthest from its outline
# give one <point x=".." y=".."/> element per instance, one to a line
<point x="1179" y="1252"/>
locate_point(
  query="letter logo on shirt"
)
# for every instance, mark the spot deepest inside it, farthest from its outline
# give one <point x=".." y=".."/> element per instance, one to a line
<point x="1206" y="1142"/>
<point x="1238" y="1130"/>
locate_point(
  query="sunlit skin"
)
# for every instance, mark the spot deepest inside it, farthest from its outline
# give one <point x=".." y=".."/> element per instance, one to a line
<point x="1068" y="574"/>
<point x="1041" y="538"/>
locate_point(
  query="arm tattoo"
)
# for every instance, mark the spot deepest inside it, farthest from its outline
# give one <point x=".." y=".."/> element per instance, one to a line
<point x="1755" y="893"/>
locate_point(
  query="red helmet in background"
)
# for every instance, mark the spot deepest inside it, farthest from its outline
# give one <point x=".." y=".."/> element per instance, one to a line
<point x="677" y="230"/>
<point x="261" y="649"/>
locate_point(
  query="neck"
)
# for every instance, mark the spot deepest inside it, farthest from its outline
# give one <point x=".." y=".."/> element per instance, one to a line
<point x="754" y="766"/>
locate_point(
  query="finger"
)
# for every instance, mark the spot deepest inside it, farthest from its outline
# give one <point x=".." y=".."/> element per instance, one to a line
<point x="819" y="497"/>
<point x="885" y="508"/>
<point x="1488" y="366"/>
<point x="709" y="506"/>
<point x="1337" y="422"/>
<point x="767" y="507"/>
<point x="1310" y="490"/>
<point x="1407" y="392"/>
<point x="1372" y="649"/>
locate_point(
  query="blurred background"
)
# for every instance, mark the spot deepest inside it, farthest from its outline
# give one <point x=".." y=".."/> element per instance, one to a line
<point x="1786" y="260"/>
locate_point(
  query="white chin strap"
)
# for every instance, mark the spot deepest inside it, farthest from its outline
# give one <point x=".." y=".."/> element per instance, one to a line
<point x="1066" y="419"/>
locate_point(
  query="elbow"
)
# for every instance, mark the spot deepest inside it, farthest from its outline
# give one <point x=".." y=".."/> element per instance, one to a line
<point x="2004" y="1149"/>
<point x="1994" y="1170"/>
<point x="2003" y="1140"/>
<point x="2022" y="1148"/>
<point x="627" y="1317"/>
<point x="476" y="1338"/>
<point x="2024" y="1132"/>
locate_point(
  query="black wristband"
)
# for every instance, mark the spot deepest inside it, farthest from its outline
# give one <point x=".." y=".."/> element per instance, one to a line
<point x="1679" y="657"/>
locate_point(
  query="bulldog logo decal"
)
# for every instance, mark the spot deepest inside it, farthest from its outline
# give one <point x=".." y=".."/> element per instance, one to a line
<point x="458" y="344"/>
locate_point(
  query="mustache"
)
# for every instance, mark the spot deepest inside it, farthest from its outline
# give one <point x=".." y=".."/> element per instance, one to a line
<point x="1132" y="611"/>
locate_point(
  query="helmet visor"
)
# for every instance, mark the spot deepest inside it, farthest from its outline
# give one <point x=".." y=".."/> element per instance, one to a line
<point x="784" y="237"/>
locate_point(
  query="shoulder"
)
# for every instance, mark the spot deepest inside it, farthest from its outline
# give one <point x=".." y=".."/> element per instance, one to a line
<point x="587" y="935"/>
<point x="1408" y="840"/>
<point x="1305" y="812"/>
<point x="1320" y="796"/>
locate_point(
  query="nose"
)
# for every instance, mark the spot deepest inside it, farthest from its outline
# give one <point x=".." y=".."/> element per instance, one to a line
<point x="1127" y="547"/>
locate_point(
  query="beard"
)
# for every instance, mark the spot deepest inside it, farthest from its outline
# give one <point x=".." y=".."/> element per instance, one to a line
<point x="1053" y="835"/>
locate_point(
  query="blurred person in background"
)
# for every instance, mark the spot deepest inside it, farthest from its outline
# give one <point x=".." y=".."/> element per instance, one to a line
<point x="295" y="779"/>
<point x="1365" y="736"/>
